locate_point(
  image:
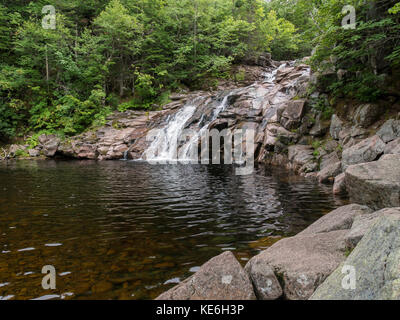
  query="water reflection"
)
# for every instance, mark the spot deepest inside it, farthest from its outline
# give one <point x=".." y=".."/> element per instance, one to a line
<point x="130" y="230"/>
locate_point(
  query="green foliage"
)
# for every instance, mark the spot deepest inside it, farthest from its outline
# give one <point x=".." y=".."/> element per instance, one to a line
<point x="107" y="51"/>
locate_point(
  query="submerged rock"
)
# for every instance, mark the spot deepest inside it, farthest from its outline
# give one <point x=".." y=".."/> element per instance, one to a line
<point x="221" y="278"/>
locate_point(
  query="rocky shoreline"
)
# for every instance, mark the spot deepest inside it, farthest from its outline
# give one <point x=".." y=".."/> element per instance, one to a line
<point x="353" y="146"/>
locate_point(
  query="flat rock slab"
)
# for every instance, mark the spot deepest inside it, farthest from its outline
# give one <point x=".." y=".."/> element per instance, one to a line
<point x="221" y="278"/>
<point x="376" y="267"/>
<point x="340" y="219"/>
<point x="301" y="263"/>
<point x="375" y="184"/>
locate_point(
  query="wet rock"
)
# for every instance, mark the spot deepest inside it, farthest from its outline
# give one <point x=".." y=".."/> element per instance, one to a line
<point x="302" y="262"/>
<point x="376" y="262"/>
<point x="265" y="283"/>
<point x="389" y="131"/>
<point x="336" y="127"/>
<point x="221" y="278"/>
<point x="367" y="114"/>
<point x="339" y="186"/>
<point x="365" y="151"/>
<point x="340" y="219"/>
<point x="328" y="174"/>
<point x="376" y="184"/>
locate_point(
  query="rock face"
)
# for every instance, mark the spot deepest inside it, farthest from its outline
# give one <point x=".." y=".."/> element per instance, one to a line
<point x="367" y="114"/>
<point x="375" y="184"/>
<point x="301" y="263"/>
<point x="221" y="278"/>
<point x="376" y="263"/>
<point x="389" y="131"/>
<point x="365" y="151"/>
<point x="363" y="223"/>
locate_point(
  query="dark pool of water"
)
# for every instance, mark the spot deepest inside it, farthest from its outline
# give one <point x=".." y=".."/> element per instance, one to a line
<point x="131" y="230"/>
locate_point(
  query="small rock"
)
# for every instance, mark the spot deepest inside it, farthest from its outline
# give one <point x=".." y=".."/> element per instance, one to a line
<point x="265" y="283"/>
<point x="221" y="278"/>
<point x="339" y="187"/>
<point x="336" y="127"/>
<point x="328" y="174"/>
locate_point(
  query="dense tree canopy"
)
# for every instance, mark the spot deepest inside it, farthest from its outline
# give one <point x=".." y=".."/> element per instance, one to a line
<point x="109" y="54"/>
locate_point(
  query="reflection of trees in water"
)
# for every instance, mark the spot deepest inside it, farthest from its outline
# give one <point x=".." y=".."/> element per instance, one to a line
<point x="138" y="224"/>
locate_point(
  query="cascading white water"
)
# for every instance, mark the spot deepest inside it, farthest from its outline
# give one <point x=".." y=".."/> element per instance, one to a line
<point x="166" y="146"/>
<point x="188" y="151"/>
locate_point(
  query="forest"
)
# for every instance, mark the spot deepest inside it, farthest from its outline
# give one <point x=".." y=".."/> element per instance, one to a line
<point x="107" y="55"/>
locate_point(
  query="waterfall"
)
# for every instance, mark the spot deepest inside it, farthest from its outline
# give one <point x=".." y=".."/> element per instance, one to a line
<point x="188" y="150"/>
<point x="166" y="144"/>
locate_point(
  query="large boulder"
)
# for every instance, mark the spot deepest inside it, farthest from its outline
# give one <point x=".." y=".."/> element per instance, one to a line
<point x="375" y="184"/>
<point x="362" y="224"/>
<point x="375" y="263"/>
<point x="340" y="219"/>
<point x="49" y="144"/>
<point x="221" y="278"/>
<point x="302" y="263"/>
<point x="367" y="114"/>
<point x="292" y="114"/>
<point x="389" y="131"/>
<point x="366" y="151"/>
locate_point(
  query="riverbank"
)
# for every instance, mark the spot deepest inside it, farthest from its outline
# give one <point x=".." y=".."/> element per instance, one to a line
<point x="351" y="145"/>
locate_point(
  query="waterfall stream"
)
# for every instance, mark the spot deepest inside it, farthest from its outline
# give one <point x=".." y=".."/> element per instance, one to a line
<point x="174" y="142"/>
